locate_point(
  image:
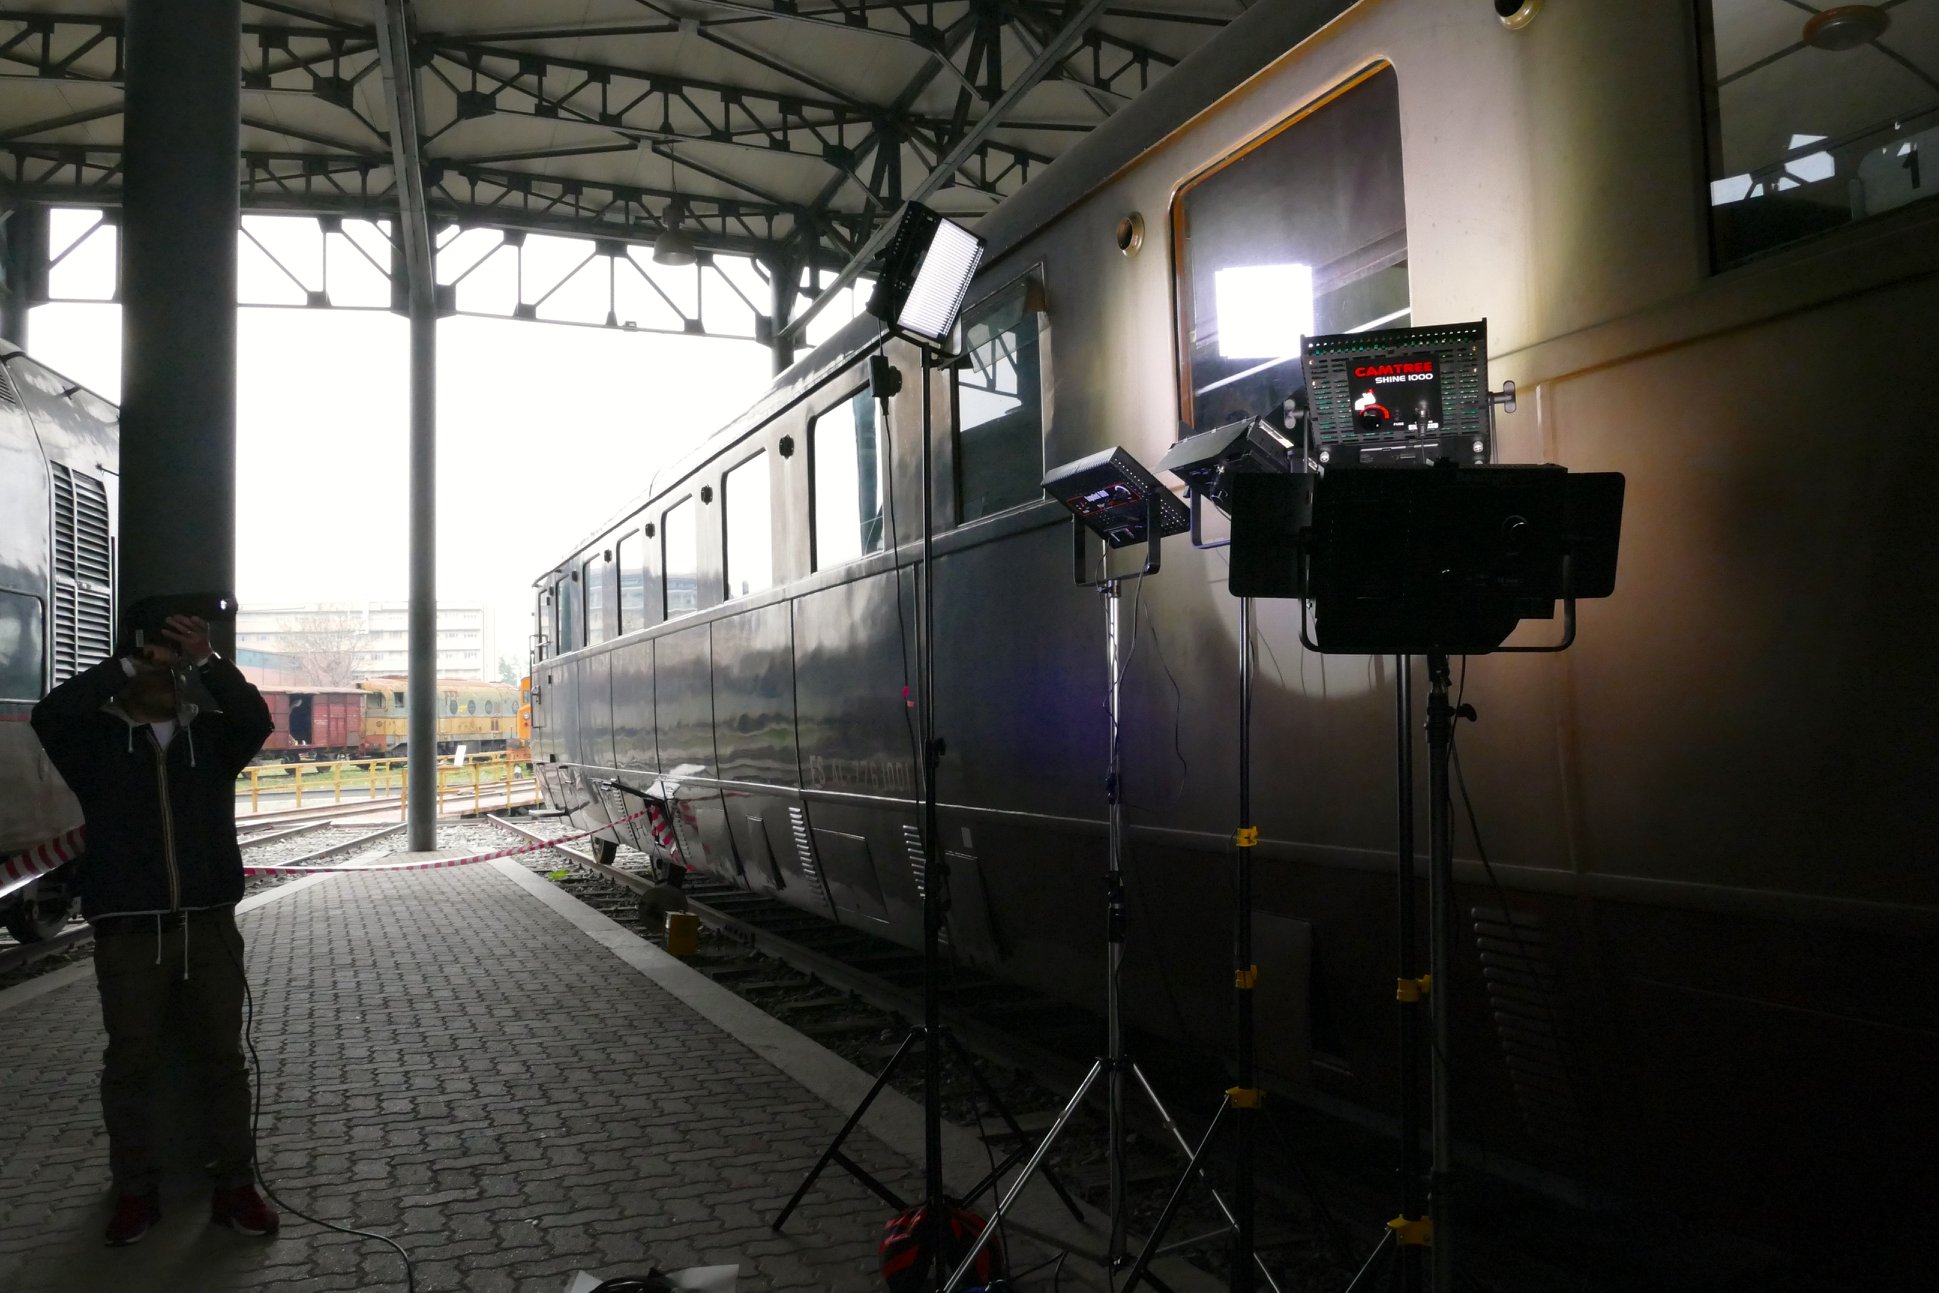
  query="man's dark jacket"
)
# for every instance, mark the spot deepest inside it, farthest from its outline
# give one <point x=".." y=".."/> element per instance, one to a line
<point x="142" y="856"/>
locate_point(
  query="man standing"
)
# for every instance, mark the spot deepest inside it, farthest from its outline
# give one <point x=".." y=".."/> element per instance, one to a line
<point x="155" y="773"/>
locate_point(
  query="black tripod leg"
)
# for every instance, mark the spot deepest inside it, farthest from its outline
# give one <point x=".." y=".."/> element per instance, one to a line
<point x="1373" y="1259"/>
<point x="1177" y="1199"/>
<point x="1336" y="1239"/>
<point x="833" y="1154"/>
<point x="1003" y="1111"/>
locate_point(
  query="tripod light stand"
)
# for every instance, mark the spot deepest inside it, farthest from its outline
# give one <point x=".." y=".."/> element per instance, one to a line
<point x="1433" y="561"/>
<point x="925" y="271"/>
<point x="1114" y="499"/>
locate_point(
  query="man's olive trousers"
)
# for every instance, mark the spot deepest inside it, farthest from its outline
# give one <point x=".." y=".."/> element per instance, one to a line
<point x="180" y="974"/>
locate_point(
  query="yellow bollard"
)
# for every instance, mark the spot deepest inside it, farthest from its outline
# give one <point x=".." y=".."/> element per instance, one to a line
<point x="299" y="783"/>
<point x="255" y="789"/>
<point x="683" y="933"/>
<point x="477" y="805"/>
<point x="336" y="782"/>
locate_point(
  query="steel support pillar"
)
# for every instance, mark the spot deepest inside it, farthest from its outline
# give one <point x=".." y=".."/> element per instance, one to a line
<point x="420" y="300"/>
<point x="786" y="271"/>
<point x="23" y="268"/>
<point x="181" y="208"/>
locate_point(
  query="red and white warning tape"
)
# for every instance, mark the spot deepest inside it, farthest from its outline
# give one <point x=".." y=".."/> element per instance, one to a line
<point x="432" y="864"/>
<point x="41" y="858"/>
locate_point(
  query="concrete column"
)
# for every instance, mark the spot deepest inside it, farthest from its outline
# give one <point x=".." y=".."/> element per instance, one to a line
<point x="180" y="202"/>
<point x="23" y="268"/>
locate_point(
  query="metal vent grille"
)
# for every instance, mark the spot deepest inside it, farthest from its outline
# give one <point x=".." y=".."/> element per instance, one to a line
<point x="83" y="573"/>
<point x="918" y="860"/>
<point x="804" y="847"/>
<point x="1518" y="967"/>
<point x="8" y="395"/>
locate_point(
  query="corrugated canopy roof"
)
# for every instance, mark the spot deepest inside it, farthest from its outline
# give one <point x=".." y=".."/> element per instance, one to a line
<point x="765" y="127"/>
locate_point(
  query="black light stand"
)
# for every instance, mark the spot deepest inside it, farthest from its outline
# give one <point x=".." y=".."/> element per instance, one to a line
<point x="1123" y="518"/>
<point x="925" y="271"/>
<point x="1435" y="561"/>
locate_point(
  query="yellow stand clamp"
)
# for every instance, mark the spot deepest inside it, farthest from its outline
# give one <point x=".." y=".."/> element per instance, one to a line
<point x="1245" y="1097"/>
<point x="1247" y="836"/>
<point x="1415" y="1232"/>
<point x="1246" y="979"/>
<point x="1413" y="989"/>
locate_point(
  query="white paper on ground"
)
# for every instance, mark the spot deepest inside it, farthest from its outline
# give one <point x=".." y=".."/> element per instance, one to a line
<point x="695" y="1279"/>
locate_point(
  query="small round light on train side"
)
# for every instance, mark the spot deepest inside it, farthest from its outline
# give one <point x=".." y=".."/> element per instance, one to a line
<point x="1845" y="26"/>
<point x="1131" y="234"/>
<point x="1517" y="14"/>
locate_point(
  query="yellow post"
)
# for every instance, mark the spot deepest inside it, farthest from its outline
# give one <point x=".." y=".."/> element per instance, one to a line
<point x="476" y="804"/>
<point x="298" y="772"/>
<point x="336" y="782"/>
<point x="255" y="789"/>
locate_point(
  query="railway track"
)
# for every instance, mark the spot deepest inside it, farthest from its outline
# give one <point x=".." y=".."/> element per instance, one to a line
<point x="458" y="801"/>
<point x="343" y="841"/>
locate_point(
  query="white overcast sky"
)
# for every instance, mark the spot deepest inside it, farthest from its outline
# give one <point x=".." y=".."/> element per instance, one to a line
<point x="544" y="429"/>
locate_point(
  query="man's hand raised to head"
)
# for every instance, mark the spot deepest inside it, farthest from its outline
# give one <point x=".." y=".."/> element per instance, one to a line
<point x="190" y="634"/>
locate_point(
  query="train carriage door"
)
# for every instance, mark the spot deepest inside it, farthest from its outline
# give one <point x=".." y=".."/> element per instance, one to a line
<point x="302" y="720"/>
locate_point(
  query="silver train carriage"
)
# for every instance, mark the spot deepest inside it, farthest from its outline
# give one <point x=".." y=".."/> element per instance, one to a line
<point x="60" y="457"/>
<point x="1706" y="818"/>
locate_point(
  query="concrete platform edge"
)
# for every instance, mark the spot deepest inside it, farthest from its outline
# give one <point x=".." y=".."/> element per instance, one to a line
<point x="893" y="1118"/>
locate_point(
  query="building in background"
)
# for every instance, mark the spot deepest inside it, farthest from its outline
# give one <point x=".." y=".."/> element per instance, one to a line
<point x="338" y="643"/>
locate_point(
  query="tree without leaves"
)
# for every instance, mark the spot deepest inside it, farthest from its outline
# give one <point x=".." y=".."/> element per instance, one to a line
<point x="323" y="643"/>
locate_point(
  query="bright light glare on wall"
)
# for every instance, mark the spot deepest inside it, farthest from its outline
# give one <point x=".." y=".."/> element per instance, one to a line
<point x="1263" y="310"/>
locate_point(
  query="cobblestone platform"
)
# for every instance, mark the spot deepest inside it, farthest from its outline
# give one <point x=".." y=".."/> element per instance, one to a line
<point x="510" y="1084"/>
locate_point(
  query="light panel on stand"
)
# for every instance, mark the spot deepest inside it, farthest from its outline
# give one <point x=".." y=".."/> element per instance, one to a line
<point x="925" y="272"/>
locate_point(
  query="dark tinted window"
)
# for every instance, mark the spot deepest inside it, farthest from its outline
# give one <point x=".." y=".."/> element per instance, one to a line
<point x="999" y="404"/>
<point x="679" y="532"/>
<point x="568" y="592"/>
<point x="846" y="460"/>
<point x="599" y="579"/>
<point x="1816" y="122"/>
<point x="21" y="646"/>
<point x="632" y="583"/>
<point x="1303" y="233"/>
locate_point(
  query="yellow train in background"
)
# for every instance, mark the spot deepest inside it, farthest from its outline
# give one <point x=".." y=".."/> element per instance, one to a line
<point x="372" y="717"/>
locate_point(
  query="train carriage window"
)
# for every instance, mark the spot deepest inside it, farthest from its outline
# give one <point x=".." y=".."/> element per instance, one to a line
<point x="845" y="458"/>
<point x="632" y="582"/>
<point x="397" y="697"/>
<point x="598" y="578"/>
<point x="748" y="514"/>
<point x="1815" y="119"/>
<point x="679" y="532"/>
<point x="21" y="647"/>
<point x="999" y="403"/>
<point x="1302" y="232"/>
<point x="568" y="598"/>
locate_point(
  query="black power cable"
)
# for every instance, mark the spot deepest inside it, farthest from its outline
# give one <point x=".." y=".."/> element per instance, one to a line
<point x="255" y="1120"/>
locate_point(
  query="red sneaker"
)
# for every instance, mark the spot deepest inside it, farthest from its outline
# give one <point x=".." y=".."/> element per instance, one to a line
<point x="243" y="1211"/>
<point x="133" y="1215"/>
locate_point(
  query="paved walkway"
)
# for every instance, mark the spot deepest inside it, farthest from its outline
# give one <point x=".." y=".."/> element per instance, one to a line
<point x="507" y="1082"/>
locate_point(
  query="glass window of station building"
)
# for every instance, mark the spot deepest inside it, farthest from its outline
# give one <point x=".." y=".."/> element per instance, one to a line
<point x="1302" y="233"/>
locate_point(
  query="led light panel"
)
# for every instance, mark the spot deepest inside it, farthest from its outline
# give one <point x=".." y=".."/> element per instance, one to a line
<point x="942" y="278"/>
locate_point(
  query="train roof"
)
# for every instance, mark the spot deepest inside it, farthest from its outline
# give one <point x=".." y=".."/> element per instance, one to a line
<point x="1252" y="42"/>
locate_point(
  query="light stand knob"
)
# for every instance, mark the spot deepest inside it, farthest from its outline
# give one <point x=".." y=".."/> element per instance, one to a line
<point x="1504" y="398"/>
